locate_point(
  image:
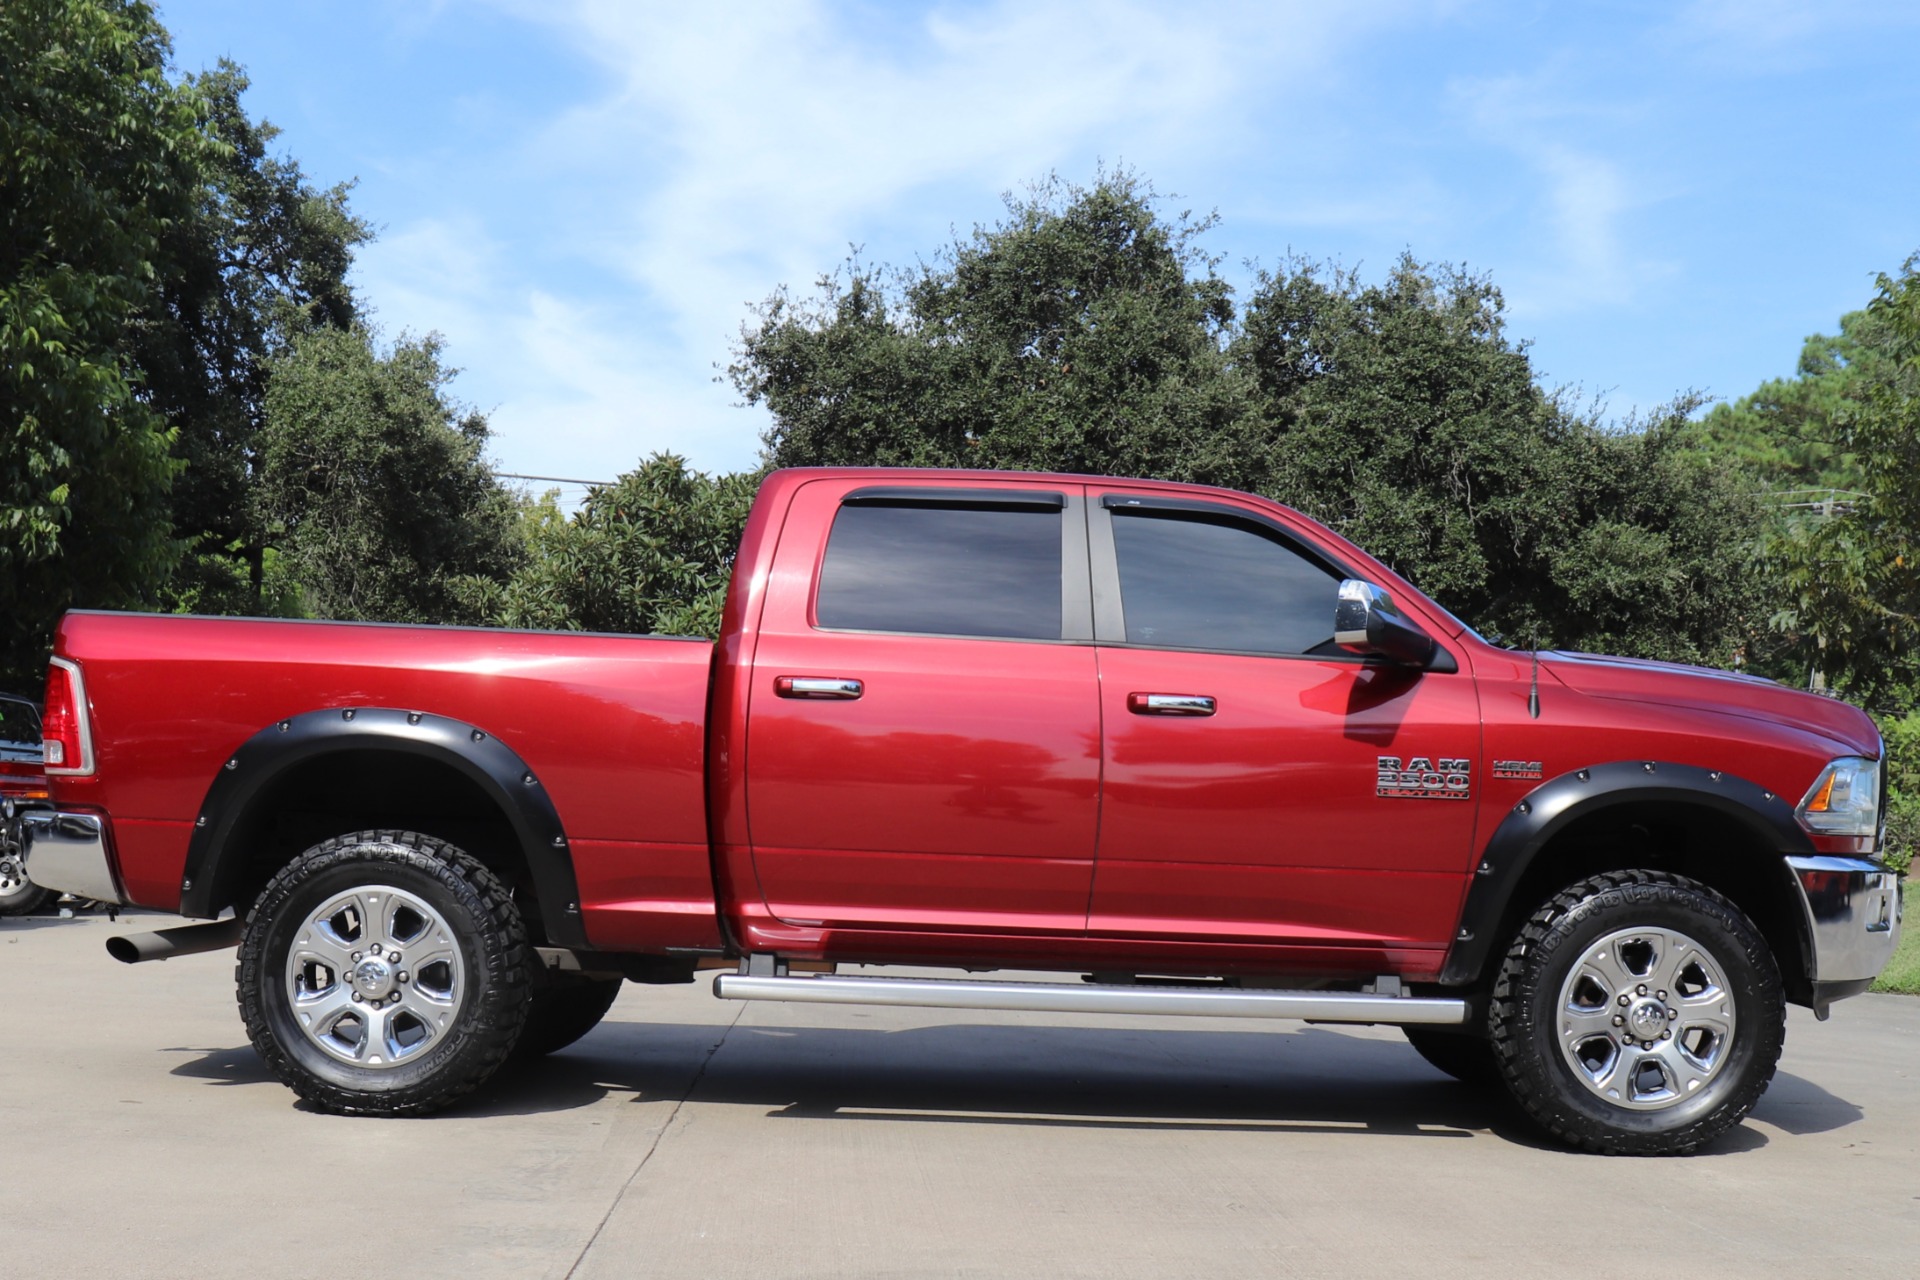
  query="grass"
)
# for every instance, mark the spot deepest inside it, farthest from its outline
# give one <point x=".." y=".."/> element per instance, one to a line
<point x="1902" y="974"/>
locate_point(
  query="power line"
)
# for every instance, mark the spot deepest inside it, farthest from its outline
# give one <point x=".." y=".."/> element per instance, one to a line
<point x="1828" y="502"/>
<point x="591" y="484"/>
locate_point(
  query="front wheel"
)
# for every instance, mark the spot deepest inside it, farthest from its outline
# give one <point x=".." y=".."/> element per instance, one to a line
<point x="1638" y="1013"/>
<point x="384" y="973"/>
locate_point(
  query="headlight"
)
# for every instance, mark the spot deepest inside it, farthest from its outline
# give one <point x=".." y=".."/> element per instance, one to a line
<point x="1844" y="799"/>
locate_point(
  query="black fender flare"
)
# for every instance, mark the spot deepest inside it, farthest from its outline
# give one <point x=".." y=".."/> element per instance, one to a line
<point x="1556" y="804"/>
<point x="213" y="865"/>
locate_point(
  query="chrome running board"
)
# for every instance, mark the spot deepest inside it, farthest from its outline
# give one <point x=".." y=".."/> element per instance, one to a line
<point x="1059" y="997"/>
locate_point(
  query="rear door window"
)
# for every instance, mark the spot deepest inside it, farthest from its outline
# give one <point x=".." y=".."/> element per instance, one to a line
<point x="945" y="568"/>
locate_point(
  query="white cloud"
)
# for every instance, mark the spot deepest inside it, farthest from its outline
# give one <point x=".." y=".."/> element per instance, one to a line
<point x="567" y="391"/>
<point x="1583" y="195"/>
<point x="719" y="151"/>
<point x="1759" y="37"/>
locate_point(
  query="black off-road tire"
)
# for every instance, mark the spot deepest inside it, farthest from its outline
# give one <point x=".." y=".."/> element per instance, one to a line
<point x="565" y="1007"/>
<point x="1525" y="1016"/>
<point x="1467" y="1058"/>
<point x="19" y="896"/>
<point x="486" y="931"/>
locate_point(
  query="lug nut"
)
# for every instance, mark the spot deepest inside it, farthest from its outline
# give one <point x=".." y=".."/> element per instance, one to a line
<point x="1619" y="1021"/>
<point x="356" y="957"/>
<point x="403" y="975"/>
<point x="1641" y="989"/>
<point x="356" y="997"/>
<point x="1666" y="1035"/>
<point x="1659" y="995"/>
<point x="375" y="949"/>
<point x="1623" y="999"/>
<point x="1673" y="1013"/>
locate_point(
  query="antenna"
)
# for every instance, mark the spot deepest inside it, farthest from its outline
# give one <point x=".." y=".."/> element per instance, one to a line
<point x="1533" y="686"/>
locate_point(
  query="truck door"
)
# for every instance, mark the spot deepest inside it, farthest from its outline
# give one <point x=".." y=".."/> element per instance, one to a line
<point x="1254" y="787"/>
<point x="923" y="726"/>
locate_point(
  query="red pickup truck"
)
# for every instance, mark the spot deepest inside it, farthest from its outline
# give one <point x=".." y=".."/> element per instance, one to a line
<point x="1182" y="744"/>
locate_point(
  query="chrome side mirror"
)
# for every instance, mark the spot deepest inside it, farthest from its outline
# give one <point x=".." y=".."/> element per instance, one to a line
<point x="1365" y="622"/>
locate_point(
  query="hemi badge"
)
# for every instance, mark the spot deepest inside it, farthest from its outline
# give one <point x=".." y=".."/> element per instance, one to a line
<point x="1516" y="769"/>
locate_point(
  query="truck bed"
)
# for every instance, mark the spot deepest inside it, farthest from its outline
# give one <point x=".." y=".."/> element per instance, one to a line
<point x="613" y="725"/>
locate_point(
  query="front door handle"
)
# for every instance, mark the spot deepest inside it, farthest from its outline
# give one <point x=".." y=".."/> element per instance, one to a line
<point x="826" y="687"/>
<point x="1170" y="704"/>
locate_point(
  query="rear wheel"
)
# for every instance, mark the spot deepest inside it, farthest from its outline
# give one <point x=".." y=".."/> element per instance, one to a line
<point x="1638" y="1013"/>
<point x="384" y="973"/>
<point x="565" y="1007"/>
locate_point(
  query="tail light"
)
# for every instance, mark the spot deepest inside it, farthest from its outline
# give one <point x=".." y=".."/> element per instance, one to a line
<point x="22" y="781"/>
<point x="65" y="735"/>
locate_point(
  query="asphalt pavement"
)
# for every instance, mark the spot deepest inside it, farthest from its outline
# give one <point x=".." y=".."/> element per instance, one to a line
<point x="687" y="1137"/>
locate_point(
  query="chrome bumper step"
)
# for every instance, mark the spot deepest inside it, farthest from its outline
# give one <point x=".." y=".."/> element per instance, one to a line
<point x="1060" y="997"/>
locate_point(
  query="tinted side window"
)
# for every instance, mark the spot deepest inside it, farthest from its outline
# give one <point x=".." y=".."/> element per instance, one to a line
<point x="1193" y="581"/>
<point x="943" y="570"/>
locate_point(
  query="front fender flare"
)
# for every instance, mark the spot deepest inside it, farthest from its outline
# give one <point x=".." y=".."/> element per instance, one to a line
<point x="214" y="865"/>
<point x="1555" y="805"/>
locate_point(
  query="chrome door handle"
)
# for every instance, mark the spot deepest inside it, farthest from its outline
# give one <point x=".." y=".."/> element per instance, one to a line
<point x="831" y="687"/>
<point x="1170" y="704"/>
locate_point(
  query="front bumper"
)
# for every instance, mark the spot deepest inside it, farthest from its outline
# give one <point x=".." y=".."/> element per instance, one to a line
<point x="67" y="852"/>
<point x="1853" y="911"/>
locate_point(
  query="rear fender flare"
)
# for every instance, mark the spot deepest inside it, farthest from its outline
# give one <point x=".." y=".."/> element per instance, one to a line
<point x="214" y="865"/>
<point x="1555" y="805"/>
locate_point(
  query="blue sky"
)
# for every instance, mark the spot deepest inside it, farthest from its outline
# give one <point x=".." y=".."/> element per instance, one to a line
<point x="585" y="196"/>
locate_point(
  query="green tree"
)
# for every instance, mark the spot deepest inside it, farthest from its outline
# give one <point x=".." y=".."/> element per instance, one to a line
<point x="373" y="483"/>
<point x="649" y="553"/>
<point x="1403" y="416"/>
<point x="1790" y="432"/>
<point x="1902" y="736"/>
<point x="99" y="160"/>
<point x="1851" y="584"/>
<point x="263" y="257"/>
<point x="1083" y="333"/>
<point x="1088" y="333"/>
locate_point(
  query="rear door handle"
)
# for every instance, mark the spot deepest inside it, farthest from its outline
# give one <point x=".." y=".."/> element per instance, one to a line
<point x="825" y="687"/>
<point x="1170" y="704"/>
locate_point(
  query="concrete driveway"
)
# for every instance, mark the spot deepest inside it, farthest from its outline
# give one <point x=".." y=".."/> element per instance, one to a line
<point x="691" y="1138"/>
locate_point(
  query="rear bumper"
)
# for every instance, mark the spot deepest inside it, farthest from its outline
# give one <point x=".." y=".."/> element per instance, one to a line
<point x="67" y="852"/>
<point x="1853" y="910"/>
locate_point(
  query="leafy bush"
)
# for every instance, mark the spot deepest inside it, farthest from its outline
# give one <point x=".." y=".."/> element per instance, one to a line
<point x="649" y="553"/>
<point x="1903" y="788"/>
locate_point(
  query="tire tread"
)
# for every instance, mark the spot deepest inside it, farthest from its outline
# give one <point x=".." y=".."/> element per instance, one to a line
<point x="1545" y="930"/>
<point x="510" y="965"/>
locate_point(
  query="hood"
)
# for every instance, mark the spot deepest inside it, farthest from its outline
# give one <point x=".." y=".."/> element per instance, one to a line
<point x="1708" y="689"/>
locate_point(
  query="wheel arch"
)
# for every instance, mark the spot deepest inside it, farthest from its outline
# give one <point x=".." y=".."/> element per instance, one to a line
<point x="1731" y="834"/>
<point x="321" y="773"/>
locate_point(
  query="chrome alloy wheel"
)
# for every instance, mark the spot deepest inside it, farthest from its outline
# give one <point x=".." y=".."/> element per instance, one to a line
<point x="1646" y="1018"/>
<point x="375" y="977"/>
